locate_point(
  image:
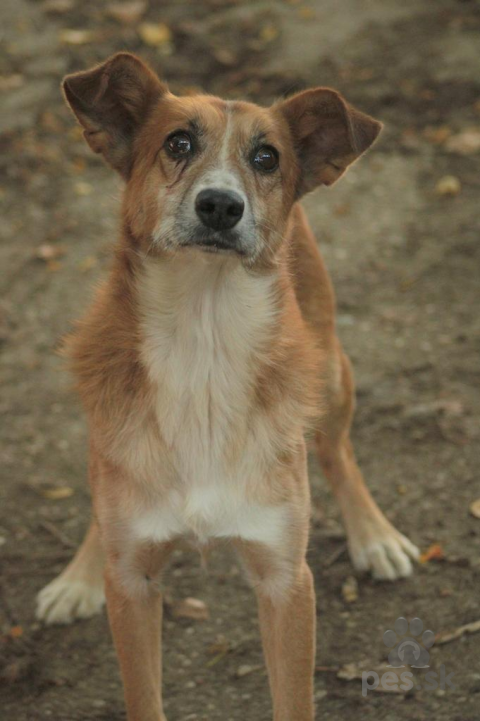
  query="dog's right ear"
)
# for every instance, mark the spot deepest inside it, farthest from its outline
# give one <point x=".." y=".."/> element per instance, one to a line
<point x="111" y="101"/>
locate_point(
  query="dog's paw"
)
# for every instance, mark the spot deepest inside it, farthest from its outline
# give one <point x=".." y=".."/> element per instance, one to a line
<point x="64" y="600"/>
<point x="387" y="554"/>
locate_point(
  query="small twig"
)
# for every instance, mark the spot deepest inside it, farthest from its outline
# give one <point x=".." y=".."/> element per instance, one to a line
<point x="335" y="555"/>
<point x="56" y="533"/>
<point x="213" y="661"/>
<point x="468" y="628"/>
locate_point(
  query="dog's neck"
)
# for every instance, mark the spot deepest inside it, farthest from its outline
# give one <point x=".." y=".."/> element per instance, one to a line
<point x="208" y="304"/>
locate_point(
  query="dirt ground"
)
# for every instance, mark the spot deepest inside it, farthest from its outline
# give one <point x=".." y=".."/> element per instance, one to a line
<point x="401" y="242"/>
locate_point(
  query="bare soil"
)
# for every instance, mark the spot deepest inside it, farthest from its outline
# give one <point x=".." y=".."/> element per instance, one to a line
<point x="405" y="261"/>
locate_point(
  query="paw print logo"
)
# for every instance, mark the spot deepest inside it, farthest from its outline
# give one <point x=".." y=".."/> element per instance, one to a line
<point x="407" y="646"/>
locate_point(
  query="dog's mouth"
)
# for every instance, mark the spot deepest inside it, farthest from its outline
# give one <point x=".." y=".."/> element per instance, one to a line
<point x="218" y="247"/>
<point x="216" y="242"/>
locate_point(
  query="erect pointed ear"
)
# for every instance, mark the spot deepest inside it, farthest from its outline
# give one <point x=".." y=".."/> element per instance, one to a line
<point x="328" y="133"/>
<point x="111" y="101"/>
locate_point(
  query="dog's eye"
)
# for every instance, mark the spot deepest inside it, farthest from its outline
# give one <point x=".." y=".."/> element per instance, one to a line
<point x="179" y="144"/>
<point x="266" y="159"/>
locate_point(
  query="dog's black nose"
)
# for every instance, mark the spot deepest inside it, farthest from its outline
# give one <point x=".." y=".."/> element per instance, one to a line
<point x="219" y="209"/>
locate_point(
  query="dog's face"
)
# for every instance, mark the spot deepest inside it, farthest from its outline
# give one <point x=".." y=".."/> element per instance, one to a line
<point x="218" y="177"/>
<point x="208" y="175"/>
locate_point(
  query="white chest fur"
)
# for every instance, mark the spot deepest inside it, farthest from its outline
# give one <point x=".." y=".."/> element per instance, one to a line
<point x="205" y="325"/>
<point x="212" y="512"/>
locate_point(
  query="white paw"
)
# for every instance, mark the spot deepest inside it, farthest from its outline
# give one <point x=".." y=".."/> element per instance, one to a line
<point x="387" y="556"/>
<point x="64" y="600"/>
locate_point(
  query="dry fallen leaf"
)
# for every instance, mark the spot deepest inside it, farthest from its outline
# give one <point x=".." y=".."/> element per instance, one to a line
<point x="16" y="632"/>
<point x="83" y="188"/>
<point x="448" y="185"/>
<point x="127" y="13"/>
<point x="54" y="493"/>
<point x="438" y="408"/>
<point x="77" y="37"/>
<point x="157" y="35"/>
<point x="246" y="670"/>
<point x="341" y="209"/>
<point x="475" y="508"/>
<point x="53" y="266"/>
<point x="78" y="164"/>
<point x="11" y="82"/>
<point x="468" y="628"/>
<point x="437" y="135"/>
<point x="434" y="553"/>
<point x="49" y="121"/>
<point x="306" y="13"/>
<point x="268" y="33"/>
<point x="465" y="143"/>
<point x="225" y="56"/>
<point x="76" y="133"/>
<point x="354" y="672"/>
<point x="350" y="589"/>
<point x="190" y="608"/>
<point x="49" y="252"/>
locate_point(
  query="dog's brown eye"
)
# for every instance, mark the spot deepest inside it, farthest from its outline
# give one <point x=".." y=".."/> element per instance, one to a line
<point x="266" y="159"/>
<point x="179" y="144"/>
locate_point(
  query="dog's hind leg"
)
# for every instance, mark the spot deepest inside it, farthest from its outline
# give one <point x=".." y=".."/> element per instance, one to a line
<point x="78" y="592"/>
<point x="374" y="544"/>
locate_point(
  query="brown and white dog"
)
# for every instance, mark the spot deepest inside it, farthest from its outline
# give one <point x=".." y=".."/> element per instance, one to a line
<point x="203" y="359"/>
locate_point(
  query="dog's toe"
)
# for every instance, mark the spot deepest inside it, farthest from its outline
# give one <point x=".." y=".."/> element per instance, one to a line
<point x="387" y="557"/>
<point x="64" y="600"/>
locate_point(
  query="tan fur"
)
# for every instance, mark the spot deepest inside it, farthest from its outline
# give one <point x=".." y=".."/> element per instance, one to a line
<point x="200" y="372"/>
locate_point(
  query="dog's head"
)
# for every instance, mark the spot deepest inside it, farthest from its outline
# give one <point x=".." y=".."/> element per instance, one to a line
<point x="207" y="174"/>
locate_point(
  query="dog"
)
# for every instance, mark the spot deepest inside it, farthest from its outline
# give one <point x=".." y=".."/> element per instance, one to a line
<point x="206" y="355"/>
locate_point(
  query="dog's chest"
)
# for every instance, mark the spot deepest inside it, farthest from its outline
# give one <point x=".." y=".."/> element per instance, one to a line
<point x="204" y="329"/>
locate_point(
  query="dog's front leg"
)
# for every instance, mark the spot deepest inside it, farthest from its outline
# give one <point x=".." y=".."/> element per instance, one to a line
<point x="286" y="605"/>
<point x="134" y="604"/>
<point x="288" y="635"/>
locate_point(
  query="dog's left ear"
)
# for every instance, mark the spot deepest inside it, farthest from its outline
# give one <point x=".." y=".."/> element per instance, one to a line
<point x="328" y="133"/>
<point x="111" y="101"/>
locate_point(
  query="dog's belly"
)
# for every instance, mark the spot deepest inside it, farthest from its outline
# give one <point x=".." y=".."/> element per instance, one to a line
<point x="211" y="512"/>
